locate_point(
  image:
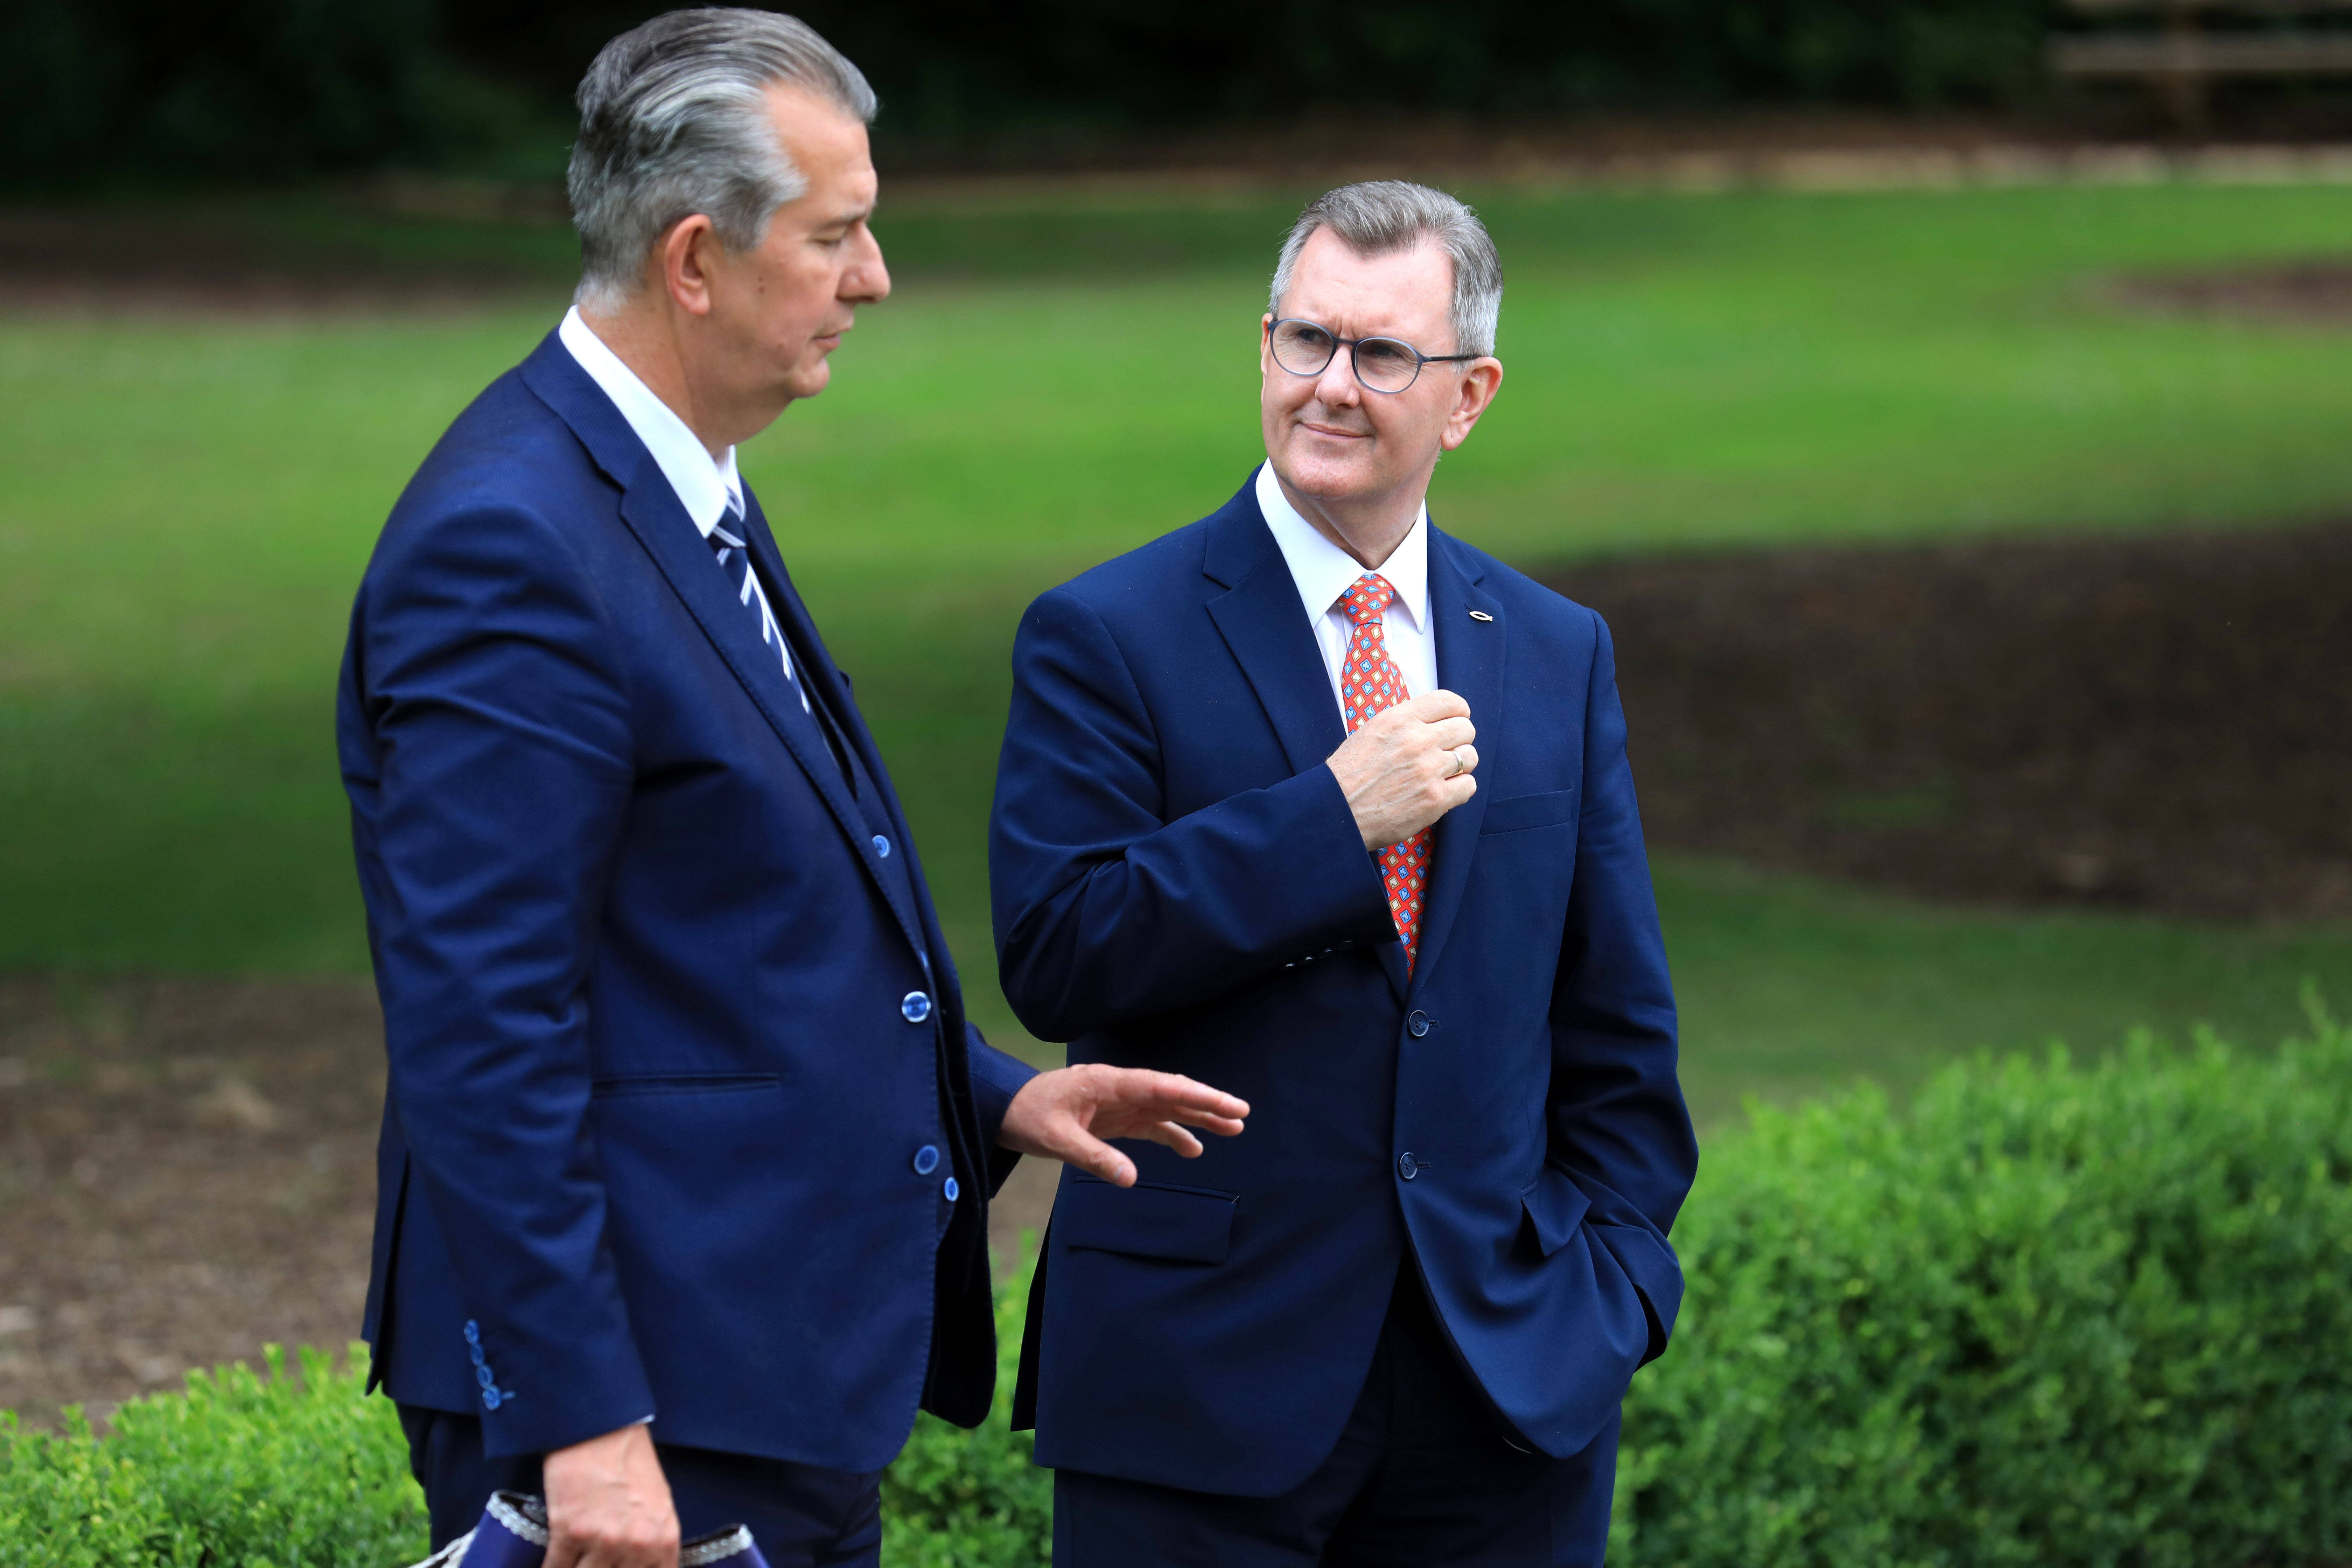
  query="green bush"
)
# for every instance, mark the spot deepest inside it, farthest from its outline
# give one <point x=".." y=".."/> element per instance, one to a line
<point x="2057" y="1314"/>
<point x="240" y="1471"/>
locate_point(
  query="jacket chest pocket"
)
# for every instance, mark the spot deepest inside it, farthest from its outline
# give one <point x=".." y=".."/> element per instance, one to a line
<point x="1526" y="813"/>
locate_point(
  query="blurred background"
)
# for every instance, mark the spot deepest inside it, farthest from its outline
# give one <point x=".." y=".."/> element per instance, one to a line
<point x="1945" y="400"/>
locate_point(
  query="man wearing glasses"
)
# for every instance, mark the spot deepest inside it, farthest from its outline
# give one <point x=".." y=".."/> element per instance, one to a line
<point x="1313" y="801"/>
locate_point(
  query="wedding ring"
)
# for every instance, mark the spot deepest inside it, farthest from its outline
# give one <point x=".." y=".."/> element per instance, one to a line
<point x="1458" y="769"/>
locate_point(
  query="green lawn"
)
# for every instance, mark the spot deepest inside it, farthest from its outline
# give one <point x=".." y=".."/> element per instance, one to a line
<point x="185" y="506"/>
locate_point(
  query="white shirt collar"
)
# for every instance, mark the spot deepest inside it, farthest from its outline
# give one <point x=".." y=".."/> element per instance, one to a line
<point x="707" y="488"/>
<point x="1324" y="572"/>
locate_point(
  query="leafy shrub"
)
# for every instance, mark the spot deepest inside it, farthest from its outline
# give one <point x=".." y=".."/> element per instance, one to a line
<point x="972" y="1500"/>
<point x="240" y="1470"/>
<point x="2058" y="1314"/>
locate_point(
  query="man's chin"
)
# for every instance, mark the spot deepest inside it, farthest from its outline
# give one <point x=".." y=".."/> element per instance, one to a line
<point x="1324" y="477"/>
<point x="810" y="379"/>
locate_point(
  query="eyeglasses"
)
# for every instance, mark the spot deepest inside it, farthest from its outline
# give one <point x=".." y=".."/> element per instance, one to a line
<point x="1382" y="365"/>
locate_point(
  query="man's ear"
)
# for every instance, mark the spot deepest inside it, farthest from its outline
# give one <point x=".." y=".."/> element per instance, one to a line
<point x="1480" y="382"/>
<point x="684" y="256"/>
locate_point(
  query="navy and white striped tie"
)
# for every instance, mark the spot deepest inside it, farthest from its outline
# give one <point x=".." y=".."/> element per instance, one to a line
<point x="728" y="546"/>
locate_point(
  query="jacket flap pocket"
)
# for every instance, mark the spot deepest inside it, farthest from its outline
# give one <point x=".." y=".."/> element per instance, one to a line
<point x="1522" y="812"/>
<point x="1189" y="1225"/>
<point x="617" y="1084"/>
<point x="1556" y="1207"/>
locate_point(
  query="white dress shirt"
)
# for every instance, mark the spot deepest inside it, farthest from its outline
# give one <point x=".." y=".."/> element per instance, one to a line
<point x="708" y="487"/>
<point x="1324" y="572"/>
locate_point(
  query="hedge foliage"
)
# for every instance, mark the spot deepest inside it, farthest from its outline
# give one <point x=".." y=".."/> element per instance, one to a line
<point x="240" y="1471"/>
<point x="2090" y="1315"/>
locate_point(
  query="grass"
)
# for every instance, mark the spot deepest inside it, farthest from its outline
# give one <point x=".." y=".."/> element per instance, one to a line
<point x="187" y="503"/>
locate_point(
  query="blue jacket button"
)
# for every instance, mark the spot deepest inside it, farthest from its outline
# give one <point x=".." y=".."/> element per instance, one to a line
<point x="473" y="1332"/>
<point x="1418" y="1024"/>
<point x="950" y="1190"/>
<point x="476" y="1352"/>
<point x="1407" y="1166"/>
<point x="882" y="846"/>
<point x="916" y="1007"/>
<point x="490" y="1397"/>
<point x="927" y="1160"/>
<point x="482" y="1376"/>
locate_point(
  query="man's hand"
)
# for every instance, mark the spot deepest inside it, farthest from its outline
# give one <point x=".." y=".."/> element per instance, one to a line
<point x="608" y="1504"/>
<point x="1408" y="767"/>
<point x="1065" y="1114"/>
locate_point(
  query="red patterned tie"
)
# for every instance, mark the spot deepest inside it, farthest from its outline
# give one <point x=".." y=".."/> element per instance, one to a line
<point x="1370" y="683"/>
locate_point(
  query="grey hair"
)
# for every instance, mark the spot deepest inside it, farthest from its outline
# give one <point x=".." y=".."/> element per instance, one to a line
<point x="674" y="122"/>
<point x="1380" y="217"/>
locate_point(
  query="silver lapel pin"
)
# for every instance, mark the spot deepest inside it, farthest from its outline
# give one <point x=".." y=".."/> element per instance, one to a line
<point x="1480" y="615"/>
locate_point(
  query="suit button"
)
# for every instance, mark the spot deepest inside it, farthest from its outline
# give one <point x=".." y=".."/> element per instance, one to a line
<point x="916" y="1007"/>
<point x="492" y="1398"/>
<point x="1418" y="1024"/>
<point x="1407" y="1166"/>
<point x="950" y="1191"/>
<point x="882" y="846"/>
<point x="927" y="1160"/>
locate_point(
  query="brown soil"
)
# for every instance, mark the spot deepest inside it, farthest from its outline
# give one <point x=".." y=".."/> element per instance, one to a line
<point x="2315" y="292"/>
<point x="2154" y="722"/>
<point x="194" y="258"/>
<point x="187" y="1171"/>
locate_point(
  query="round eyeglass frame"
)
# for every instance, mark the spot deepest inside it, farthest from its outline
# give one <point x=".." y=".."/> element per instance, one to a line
<point x="1354" y="365"/>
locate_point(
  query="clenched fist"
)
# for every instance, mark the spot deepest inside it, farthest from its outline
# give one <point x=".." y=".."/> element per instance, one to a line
<point x="1408" y="767"/>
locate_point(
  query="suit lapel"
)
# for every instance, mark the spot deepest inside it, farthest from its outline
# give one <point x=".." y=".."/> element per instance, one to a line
<point x="1470" y="655"/>
<point x="1266" y="625"/>
<point x="652" y="510"/>
<point x="814" y="665"/>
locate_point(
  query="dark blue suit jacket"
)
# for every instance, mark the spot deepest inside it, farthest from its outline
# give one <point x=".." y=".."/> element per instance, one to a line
<point x="667" y="1028"/>
<point x="1179" y="884"/>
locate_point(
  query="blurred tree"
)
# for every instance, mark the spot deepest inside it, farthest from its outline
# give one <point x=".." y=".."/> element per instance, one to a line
<point x="269" y="89"/>
<point x="963" y="67"/>
<point x="228" y="89"/>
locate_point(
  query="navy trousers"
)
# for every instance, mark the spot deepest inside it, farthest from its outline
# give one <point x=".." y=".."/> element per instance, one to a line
<point x="1424" y="1474"/>
<point x="800" y="1516"/>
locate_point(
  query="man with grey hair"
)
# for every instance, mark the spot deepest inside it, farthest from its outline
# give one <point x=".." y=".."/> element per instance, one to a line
<point x="687" y="1145"/>
<point x="1316" y="801"/>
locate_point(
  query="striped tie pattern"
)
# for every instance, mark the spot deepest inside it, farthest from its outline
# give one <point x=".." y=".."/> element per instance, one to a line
<point x="728" y="546"/>
<point x="1370" y="683"/>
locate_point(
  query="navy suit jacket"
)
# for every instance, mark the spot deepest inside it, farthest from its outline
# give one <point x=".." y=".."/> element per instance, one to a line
<point x="668" y="1027"/>
<point x="1179" y="884"/>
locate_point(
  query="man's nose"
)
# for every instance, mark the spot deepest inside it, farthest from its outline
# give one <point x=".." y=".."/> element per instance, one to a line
<point x="1338" y="386"/>
<point x="868" y="278"/>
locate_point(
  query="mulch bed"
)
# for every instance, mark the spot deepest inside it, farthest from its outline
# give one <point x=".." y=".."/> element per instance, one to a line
<point x="2160" y="723"/>
<point x="2302" y="293"/>
<point x="187" y="1171"/>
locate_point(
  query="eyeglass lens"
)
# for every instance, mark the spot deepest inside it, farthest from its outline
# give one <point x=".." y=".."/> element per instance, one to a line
<point x="1384" y="364"/>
